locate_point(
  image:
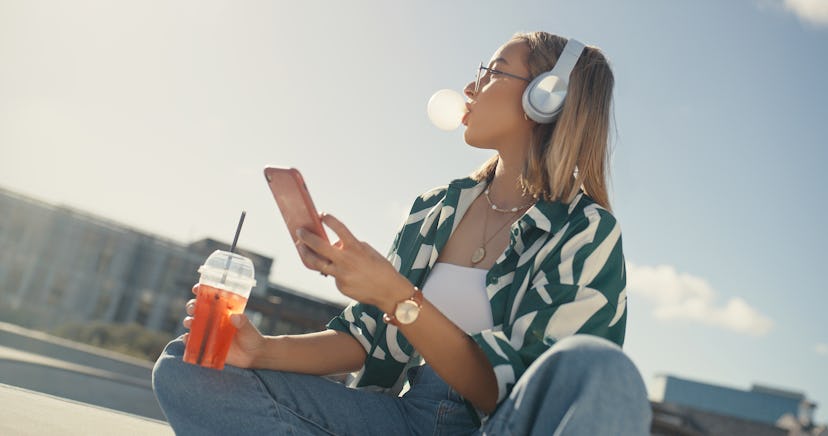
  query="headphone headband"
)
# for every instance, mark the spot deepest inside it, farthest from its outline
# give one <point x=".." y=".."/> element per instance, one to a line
<point x="568" y="58"/>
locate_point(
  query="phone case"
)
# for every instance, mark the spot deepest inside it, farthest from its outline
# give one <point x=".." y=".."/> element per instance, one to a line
<point x="294" y="201"/>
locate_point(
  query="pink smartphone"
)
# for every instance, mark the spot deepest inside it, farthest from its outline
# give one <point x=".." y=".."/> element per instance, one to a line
<point x="294" y="201"/>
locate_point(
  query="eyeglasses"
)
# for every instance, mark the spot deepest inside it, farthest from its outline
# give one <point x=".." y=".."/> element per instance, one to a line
<point x="485" y="75"/>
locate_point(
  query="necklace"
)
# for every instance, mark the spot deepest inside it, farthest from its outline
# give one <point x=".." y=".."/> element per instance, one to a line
<point x="480" y="253"/>
<point x="512" y="210"/>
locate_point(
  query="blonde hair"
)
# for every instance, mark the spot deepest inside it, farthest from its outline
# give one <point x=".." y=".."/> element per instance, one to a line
<point x="573" y="151"/>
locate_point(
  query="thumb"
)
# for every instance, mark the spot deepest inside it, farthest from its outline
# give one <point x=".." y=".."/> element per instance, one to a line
<point x="239" y="320"/>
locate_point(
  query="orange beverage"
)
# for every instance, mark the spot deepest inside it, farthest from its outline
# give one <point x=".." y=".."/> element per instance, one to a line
<point x="211" y="332"/>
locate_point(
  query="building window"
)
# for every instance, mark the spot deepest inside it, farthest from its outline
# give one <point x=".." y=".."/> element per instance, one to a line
<point x="104" y="299"/>
<point x="144" y="306"/>
<point x="175" y="314"/>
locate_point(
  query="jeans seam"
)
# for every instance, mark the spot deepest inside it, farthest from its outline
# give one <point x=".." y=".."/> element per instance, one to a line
<point x="262" y="386"/>
<point x="439" y="418"/>
<point x="565" y="420"/>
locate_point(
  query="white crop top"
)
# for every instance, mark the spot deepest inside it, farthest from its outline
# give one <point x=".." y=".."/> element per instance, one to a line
<point x="459" y="292"/>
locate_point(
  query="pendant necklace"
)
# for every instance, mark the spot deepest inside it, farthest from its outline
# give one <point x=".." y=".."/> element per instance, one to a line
<point x="480" y="253"/>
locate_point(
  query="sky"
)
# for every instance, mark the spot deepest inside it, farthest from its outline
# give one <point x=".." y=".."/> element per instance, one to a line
<point x="161" y="115"/>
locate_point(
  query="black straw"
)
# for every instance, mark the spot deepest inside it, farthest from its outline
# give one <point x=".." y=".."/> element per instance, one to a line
<point x="238" y="230"/>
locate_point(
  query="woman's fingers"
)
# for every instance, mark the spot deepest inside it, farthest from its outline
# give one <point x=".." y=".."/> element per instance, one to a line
<point x="184" y="337"/>
<point x="318" y="254"/>
<point x="319" y="246"/>
<point x="190" y="307"/>
<point x="312" y="259"/>
<point x="195" y="289"/>
<point x="344" y="234"/>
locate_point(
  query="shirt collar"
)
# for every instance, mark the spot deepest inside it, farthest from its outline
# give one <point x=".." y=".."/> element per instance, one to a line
<point x="548" y="216"/>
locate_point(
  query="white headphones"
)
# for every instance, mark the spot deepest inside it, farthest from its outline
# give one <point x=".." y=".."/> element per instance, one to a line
<point x="545" y="95"/>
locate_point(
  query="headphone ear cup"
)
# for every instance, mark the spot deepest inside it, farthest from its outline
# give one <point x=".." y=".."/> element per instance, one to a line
<point x="543" y="98"/>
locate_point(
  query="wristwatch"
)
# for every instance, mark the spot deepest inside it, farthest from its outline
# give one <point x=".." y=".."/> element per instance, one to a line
<point x="406" y="311"/>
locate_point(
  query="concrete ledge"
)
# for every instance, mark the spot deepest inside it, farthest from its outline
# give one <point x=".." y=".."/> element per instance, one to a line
<point x="26" y="412"/>
<point x="11" y="354"/>
<point x="44" y="344"/>
<point x="46" y="364"/>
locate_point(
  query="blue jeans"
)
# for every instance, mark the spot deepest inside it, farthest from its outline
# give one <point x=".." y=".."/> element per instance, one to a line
<point x="583" y="385"/>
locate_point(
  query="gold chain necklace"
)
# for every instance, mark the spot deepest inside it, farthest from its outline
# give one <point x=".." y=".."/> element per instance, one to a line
<point x="513" y="210"/>
<point x="480" y="253"/>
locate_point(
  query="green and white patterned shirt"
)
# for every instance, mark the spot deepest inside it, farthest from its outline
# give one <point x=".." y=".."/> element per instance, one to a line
<point x="563" y="273"/>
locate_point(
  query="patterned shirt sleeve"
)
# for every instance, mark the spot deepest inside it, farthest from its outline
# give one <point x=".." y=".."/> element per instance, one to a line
<point x="577" y="288"/>
<point x="360" y="320"/>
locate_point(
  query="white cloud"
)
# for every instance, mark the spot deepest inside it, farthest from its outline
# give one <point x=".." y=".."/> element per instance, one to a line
<point x="810" y="11"/>
<point x="681" y="296"/>
<point x="814" y="12"/>
<point x="821" y="349"/>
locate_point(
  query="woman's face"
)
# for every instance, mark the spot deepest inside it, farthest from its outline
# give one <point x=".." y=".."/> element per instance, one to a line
<point x="495" y="118"/>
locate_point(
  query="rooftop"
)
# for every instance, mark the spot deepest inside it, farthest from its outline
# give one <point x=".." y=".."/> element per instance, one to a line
<point x="26" y="412"/>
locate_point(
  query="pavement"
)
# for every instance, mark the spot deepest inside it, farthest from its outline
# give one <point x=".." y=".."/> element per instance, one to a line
<point x="51" y="386"/>
<point x="82" y="383"/>
<point x="26" y="412"/>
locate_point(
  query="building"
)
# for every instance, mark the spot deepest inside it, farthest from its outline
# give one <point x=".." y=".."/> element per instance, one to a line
<point x="682" y="406"/>
<point x="287" y="311"/>
<point x="677" y="420"/>
<point x="59" y="265"/>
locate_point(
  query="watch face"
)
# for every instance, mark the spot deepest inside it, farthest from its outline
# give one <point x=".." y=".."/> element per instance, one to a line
<point x="407" y="312"/>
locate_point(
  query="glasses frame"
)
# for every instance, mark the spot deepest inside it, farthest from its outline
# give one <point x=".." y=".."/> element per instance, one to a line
<point x="494" y="71"/>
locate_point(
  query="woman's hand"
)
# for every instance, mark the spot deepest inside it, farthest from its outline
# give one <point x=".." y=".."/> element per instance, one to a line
<point x="248" y="344"/>
<point x="360" y="271"/>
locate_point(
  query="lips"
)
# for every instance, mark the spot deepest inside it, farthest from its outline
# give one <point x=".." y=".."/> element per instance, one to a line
<point x="466" y="116"/>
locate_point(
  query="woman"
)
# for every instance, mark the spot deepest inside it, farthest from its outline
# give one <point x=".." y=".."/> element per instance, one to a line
<point x="518" y="327"/>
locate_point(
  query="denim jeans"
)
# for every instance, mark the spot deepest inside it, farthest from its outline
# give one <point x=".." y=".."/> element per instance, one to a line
<point x="583" y="385"/>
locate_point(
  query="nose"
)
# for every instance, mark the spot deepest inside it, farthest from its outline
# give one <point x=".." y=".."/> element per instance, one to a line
<point x="469" y="90"/>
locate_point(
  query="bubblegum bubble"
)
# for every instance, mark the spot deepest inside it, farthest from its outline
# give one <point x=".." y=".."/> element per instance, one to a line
<point x="446" y="109"/>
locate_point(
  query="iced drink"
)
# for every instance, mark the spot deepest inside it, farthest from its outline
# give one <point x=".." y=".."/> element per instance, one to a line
<point x="211" y="329"/>
<point x="224" y="286"/>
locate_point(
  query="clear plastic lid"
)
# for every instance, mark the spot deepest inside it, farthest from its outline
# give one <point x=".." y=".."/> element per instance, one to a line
<point x="228" y="271"/>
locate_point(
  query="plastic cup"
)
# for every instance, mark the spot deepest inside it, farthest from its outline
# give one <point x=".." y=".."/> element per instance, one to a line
<point x="223" y="289"/>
